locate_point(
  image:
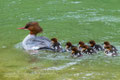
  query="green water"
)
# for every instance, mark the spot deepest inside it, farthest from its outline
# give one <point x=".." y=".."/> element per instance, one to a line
<point x="68" y="20"/>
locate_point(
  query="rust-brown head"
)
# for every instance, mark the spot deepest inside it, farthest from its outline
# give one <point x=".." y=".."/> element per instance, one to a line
<point x="74" y="49"/>
<point x="92" y="43"/>
<point x="33" y="27"/>
<point x="84" y="47"/>
<point x="81" y="43"/>
<point x="106" y="43"/>
<point x="54" y="40"/>
<point x="108" y="47"/>
<point x="68" y="44"/>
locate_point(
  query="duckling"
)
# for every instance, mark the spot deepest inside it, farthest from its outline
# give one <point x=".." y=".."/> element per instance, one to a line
<point x="81" y="44"/>
<point x="95" y="46"/>
<point x="88" y="50"/>
<point x="56" y="45"/>
<point x="106" y="43"/>
<point x="76" y="52"/>
<point x="69" y="46"/>
<point x="109" y="51"/>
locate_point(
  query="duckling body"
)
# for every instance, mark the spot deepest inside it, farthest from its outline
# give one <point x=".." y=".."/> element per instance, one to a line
<point x="109" y="51"/>
<point x="95" y="46"/>
<point x="106" y="43"/>
<point x="88" y="50"/>
<point x="55" y="45"/>
<point x="76" y="52"/>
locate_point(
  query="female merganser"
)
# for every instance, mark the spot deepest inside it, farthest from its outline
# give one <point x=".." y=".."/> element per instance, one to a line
<point x="106" y="43"/>
<point x="81" y="44"/>
<point x="109" y="51"/>
<point x="32" y="41"/>
<point x="56" y="45"/>
<point x="88" y="50"/>
<point x="68" y="46"/>
<point x="76" y="52"/>
<point x="95" y="46"/>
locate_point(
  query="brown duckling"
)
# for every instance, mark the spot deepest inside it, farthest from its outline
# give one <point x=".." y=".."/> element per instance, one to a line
<point x="56" y="45"/>
<point x="95" y="46"/>
<point x="68" y="46"/>
<point x="76" y="52"/>
<point x="106" y="43"/>
<point x="88" y="50"/>
<point x="109" y="51"/>
<point x="81" y="44"/>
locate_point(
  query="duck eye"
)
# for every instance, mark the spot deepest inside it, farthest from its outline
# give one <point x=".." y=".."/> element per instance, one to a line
<point x="28" y="25"/>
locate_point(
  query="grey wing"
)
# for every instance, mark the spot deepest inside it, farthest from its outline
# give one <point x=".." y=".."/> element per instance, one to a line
<point x="43" y="42"/>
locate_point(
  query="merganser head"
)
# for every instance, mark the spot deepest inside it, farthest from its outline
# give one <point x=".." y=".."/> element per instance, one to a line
<point x="106" y="43"/>
<point x="108" y="48"/>
<point x="74" y="49"/>
<point x="68" y="44"/>
<point x="84" y="47"/>
<point x="54" y="40"/>
<point x="92" y="43"/>
<point x="81" y="43"/>
<point x="33" y="27"/>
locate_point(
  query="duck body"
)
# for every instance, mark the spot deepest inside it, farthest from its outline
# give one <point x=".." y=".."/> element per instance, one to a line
<point x="33" y="42"/>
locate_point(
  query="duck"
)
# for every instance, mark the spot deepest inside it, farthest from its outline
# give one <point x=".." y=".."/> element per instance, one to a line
<point x="80" y="45"/>
<point x="87" y="50"/>
<point x="56" y="45"/>
<point x="109" y="51"/>
<point x="95" y="46"/>
<point x="32" y="41"/>
<point x="106" y="43"/>
<point x="68" y="47"/>
<point x="76" y="52"/>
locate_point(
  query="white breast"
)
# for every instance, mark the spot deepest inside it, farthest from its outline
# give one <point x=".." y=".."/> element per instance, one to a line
<point x="32" y="42"/>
